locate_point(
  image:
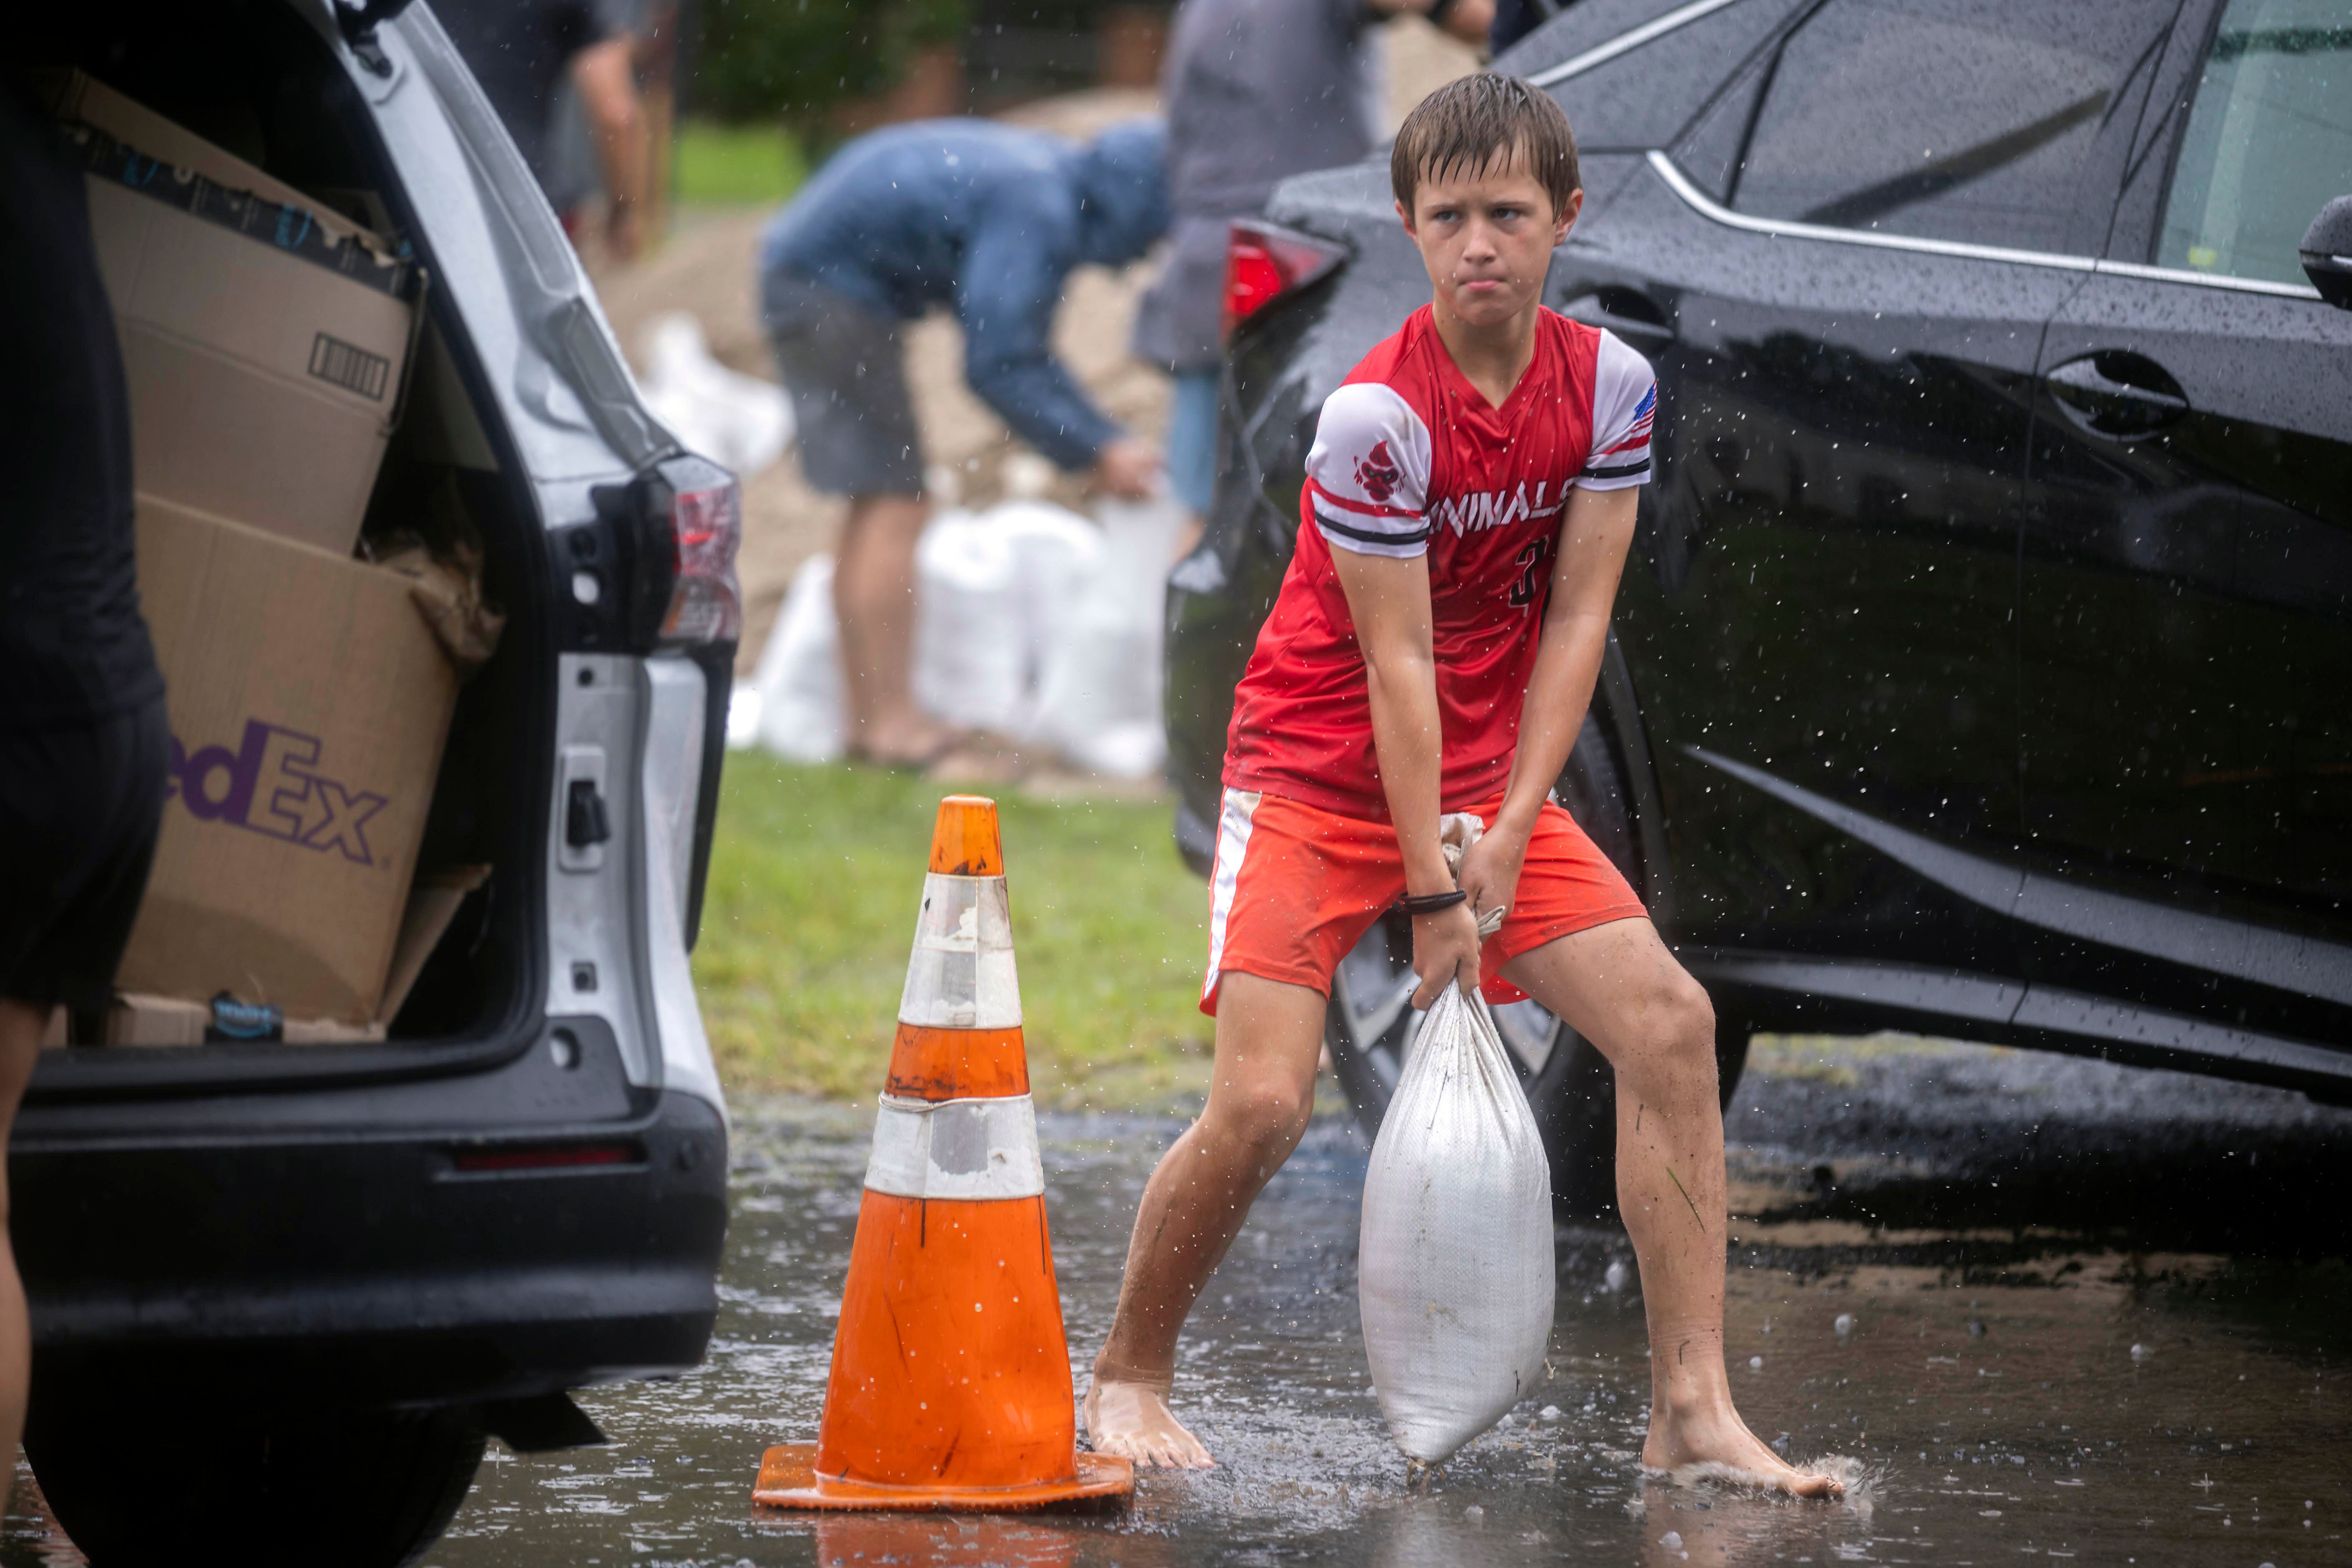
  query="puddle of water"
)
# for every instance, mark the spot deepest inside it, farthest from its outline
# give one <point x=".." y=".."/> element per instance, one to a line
<point x="2091" y="1322"/>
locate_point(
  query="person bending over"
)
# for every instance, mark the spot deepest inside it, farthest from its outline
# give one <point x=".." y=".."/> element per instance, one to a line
<point x="1469" y="501"/>
<point x="988" y="219"/>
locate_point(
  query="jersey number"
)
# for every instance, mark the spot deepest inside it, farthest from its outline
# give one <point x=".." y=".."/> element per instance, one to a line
<point x="1523" y="591"/>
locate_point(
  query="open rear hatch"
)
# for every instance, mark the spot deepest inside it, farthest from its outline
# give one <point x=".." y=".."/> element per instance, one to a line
<point x="340" y="563"/>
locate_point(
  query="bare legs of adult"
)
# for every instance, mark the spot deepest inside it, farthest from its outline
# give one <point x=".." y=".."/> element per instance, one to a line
<point x="1619" y="987"/>
<point x="20" y="1046"/>
<point x="1268" y="1037"/>
<point x="874" y="600"/>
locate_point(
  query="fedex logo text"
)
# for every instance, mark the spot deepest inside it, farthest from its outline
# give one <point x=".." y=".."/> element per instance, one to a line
<point x="266" y="787"/>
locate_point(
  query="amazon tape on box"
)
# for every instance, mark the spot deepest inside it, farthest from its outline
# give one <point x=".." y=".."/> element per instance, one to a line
<point x="309" y="700"/>
<point x="264" y="336"/>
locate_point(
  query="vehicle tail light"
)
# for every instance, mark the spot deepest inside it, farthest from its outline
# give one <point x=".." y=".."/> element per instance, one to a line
<point x="1263" y="263"/>
<point x="689" y="521"/>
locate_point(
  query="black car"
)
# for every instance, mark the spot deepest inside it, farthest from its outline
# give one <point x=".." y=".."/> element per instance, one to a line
<point x="281" y="1292"/>
<point x="1984" y="665"/>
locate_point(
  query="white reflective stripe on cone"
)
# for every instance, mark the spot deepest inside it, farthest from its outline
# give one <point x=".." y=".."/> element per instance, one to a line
<point x="956" y="1149"/>
<point x="959" y="975"/>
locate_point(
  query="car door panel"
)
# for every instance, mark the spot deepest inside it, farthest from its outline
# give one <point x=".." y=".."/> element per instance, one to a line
<point x="2188" y="599"/>
<point x="2186" y="578"/>
<point x="1825" y="582"/>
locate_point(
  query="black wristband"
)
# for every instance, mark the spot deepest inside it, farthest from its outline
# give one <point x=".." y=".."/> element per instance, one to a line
<point x="1430" y="903"/>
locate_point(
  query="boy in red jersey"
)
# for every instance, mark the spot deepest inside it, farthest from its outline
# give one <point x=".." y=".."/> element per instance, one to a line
<point x="1469" y="506"/>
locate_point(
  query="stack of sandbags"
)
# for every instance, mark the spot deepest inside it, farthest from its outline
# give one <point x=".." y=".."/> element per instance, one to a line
<point x="1033" y="623"/>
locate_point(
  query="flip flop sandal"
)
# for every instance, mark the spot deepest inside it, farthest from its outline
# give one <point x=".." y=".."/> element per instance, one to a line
<point x="918" y="765"/>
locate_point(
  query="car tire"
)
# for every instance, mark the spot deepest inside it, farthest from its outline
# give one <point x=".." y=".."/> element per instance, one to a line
<point x="1370" y="1024"/>
<point x="193" y="1488"/>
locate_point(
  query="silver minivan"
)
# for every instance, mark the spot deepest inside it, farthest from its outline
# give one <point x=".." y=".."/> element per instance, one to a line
<point x="281" y="1293"/>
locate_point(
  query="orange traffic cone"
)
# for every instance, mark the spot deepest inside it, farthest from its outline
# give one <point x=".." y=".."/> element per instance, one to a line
<point x="950" y="1385"/>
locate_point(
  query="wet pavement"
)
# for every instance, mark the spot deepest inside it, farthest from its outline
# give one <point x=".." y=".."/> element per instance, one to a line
<point x="2053" y="1309"/>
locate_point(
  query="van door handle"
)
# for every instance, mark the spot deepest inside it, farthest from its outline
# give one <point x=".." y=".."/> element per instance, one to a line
<point x="1628" y="312"/>
<point x="2118" y="393"/>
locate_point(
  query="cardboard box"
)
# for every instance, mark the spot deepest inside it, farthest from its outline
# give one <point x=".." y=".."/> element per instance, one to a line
<point x="310" y="701"/>
<point x="265" y="338"/>
<point x="137" y="1019"/>
<point x="78" y="96"/>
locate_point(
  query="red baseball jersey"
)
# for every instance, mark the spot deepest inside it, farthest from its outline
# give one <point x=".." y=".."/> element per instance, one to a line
<point x="1410" y="459"/>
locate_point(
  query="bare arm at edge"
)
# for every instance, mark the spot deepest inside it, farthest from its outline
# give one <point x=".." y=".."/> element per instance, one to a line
<point x="1466" y="20"/>
<point x="1389" y="600"/>
<point x="1595" y="532"/>
<point x="605" y="75"/>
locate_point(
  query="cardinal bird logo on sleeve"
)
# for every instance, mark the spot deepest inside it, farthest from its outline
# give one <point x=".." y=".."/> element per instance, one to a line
<point x="1378" y="473"/>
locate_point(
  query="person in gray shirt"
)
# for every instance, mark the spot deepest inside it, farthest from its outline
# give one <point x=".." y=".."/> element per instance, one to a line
<point x="1257" y="90"/>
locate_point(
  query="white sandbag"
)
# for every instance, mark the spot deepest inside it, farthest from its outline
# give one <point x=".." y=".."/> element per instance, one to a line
<point x="795" y="708"/>
<point x="1098" y="699"/>
<point x="1058" y="557"/>
<point x="992" y="591"/>
<point x="970" y="660"/>
<point x="731" y="418"/>
<point x="1454" y="1266"/>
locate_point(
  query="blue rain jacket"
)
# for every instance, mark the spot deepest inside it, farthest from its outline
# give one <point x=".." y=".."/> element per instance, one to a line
<point x="989" y="219"/>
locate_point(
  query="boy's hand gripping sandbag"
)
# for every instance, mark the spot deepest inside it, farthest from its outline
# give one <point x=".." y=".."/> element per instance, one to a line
<point x="1455" y="1264"/>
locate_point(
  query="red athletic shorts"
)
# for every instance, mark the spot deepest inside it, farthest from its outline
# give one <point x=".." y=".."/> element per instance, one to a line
<point x="1295" y="887"/>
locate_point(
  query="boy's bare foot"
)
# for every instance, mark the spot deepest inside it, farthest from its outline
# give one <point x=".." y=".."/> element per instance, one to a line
<point x="1718" y="1443"/>
<point x="1133" y="1421"/>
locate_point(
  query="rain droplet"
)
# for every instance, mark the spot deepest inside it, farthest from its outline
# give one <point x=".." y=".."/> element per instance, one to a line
<point x="1550" y="1412"/>
<point x="2141" y="1352"/>
<point x="1844" y="1324"/>
<point x="1756" y="1363"/>
<point x="1617" y="1276"/>
<point x="1473" y="1513"/>
<point x="1672" y="1541"/>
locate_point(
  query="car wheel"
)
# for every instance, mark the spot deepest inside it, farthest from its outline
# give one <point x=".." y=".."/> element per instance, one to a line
<point x="358" y="1489"/>
<point x="1370" y="1024"/>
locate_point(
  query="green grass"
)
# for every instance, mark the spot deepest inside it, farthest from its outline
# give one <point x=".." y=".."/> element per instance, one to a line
<point x="737" y="165"/>
<point x="816" y="876"/>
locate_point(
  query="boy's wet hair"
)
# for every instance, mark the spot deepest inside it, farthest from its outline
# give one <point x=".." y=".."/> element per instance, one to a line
<point x="1471" y="123"/>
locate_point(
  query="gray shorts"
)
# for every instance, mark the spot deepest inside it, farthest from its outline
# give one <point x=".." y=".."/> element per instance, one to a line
<point x="845" y="369"/>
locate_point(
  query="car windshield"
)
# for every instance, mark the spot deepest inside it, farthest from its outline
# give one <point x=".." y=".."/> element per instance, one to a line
<point x="2269" y="140"/>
